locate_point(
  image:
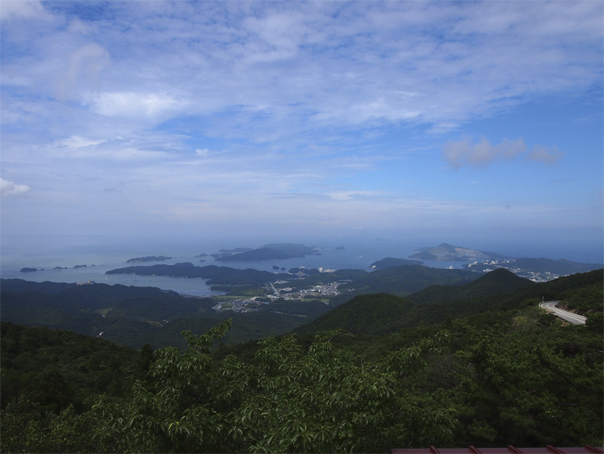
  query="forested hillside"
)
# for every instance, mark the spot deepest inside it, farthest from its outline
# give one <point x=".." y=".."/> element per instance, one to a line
<point x="134" y="316"/>
<point x="504" y="374"/>
<point x="380" y="314"/>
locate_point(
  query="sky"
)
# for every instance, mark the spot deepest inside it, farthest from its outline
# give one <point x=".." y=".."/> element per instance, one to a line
<point x="472" y="122"/>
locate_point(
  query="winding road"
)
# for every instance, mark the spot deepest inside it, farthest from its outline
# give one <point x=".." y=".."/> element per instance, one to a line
<point x="570" y="317"/>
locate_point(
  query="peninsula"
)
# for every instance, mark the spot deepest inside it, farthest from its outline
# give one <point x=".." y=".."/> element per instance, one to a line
<point x="449" y="253"/>
<point x="279" y="251"/>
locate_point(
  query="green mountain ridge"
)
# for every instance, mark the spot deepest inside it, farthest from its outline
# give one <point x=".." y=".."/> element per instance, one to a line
<point x="407" y="279"/>
<point x="380" y="314"/>
<point x="495" y="282"/>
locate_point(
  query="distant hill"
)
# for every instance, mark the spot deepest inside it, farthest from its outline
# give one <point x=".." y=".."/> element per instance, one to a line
<point x="364" y="314"/>
<point x="114" y="310"/>
<point x="383" y="314"/>
<point x="404" y="280"/>
<point x="280" y="251"/>
<point x="560" y="267"/>
<point x="134" y="316"/>
<point x="390" y="261"/>
<point x="449" y="253"/>
<point x="493" y="283"/>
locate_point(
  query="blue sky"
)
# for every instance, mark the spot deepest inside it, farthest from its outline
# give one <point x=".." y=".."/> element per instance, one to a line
<point x="458" y="121"/>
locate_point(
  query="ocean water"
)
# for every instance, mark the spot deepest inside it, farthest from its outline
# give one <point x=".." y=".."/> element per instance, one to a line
<point x="102" y="254"/>
<point x="46" y="255"/>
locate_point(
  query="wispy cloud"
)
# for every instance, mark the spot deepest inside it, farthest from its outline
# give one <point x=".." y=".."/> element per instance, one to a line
<point x="301" y="111"/>
<point x="378" y="62"/>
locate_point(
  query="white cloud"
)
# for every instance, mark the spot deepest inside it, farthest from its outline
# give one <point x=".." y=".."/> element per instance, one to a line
<point x="304" y="64"/>
<point x="8" y="188"/>
<point x="465" y="153"/>
<point x="153" y="106"/>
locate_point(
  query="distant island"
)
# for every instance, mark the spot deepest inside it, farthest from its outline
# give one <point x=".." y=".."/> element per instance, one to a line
<point x="28" y="270"/>
<point x="280" y="251"/>
<point x="390" y="261"/>
<point x="150" y="258"/>
<point x="216" y="275"/>
<point x="449" y="253"/>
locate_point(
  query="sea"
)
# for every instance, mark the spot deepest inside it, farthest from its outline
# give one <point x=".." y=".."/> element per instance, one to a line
<point x="87" y="259"/>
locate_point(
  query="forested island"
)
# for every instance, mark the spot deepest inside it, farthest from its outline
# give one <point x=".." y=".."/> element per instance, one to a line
<point x="449" y="253"/>
<point x="150" y="258"/>
<point x="280" y="251"/>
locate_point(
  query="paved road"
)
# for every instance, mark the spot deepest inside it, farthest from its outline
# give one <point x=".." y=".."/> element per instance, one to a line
<point x="575" y="319"/>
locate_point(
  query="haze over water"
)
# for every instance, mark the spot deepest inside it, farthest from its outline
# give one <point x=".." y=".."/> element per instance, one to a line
<point x="107" y="254"/>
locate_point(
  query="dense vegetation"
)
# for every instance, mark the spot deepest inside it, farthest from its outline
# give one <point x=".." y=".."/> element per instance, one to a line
<point x="134" y="316"/>
<point x="502" y="372"/>
<point x="404" y="280"/>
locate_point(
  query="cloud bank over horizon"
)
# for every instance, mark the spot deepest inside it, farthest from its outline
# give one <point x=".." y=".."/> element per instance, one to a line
<point x="330" y="116"/>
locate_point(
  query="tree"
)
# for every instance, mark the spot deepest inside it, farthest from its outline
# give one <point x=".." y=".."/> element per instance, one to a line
<point x="318" y="400"/>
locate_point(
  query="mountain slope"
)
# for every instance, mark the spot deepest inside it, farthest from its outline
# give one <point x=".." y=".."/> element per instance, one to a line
<point x="383" y="314"/>
<point x="364" y="314"/>
<point x="493" y="283"/>
<point x="404" y="280"/>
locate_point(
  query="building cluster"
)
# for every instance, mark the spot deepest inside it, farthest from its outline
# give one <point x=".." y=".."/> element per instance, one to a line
<point x="287" y="293"/>
<point x="241" y="305"/>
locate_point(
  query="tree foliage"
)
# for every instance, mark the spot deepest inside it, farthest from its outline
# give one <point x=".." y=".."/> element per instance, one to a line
<point x="290" y="400"/>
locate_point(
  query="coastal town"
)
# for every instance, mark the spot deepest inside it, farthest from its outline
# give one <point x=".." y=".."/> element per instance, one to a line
<point x="319" y="292"/>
